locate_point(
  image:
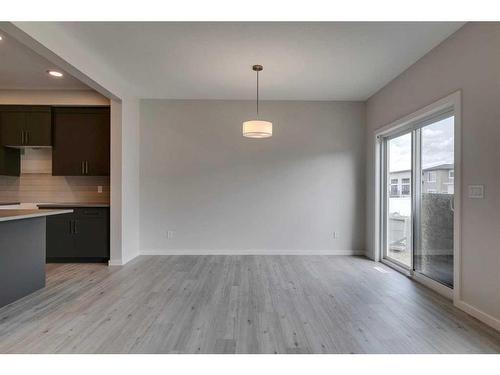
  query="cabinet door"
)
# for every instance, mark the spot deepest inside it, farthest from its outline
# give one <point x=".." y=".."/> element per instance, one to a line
<point x="98" y="161"/>
<point x="39" y="128"/>
<point x="91" y="239"/>
<point x="80" y="138"/>
<point x="12" y="128"/>
<point x="60" y="238"/>
<point x="71" y="142"/>
<point x="10" y="161"/>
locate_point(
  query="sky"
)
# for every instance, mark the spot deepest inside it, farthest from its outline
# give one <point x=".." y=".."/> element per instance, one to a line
<point x="437" y="146"/>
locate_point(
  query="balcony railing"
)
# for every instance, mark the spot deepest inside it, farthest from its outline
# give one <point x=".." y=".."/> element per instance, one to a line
<point x="397" y="193"/>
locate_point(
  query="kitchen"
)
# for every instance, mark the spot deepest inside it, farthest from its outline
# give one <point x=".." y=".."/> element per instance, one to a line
<point x="54" y="172"/>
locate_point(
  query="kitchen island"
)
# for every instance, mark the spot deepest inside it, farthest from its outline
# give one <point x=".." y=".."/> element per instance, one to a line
<point x="22" y="252"/>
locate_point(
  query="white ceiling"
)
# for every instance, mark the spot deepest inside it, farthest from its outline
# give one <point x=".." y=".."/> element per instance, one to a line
<point x="302" y="61"/>
<point x="212" y="60"/>
<point x="23" y="69"/>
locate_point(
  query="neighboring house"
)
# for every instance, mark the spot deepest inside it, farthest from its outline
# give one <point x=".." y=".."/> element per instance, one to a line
<point x="400" y="183"/>
<point x="438" y="179"/>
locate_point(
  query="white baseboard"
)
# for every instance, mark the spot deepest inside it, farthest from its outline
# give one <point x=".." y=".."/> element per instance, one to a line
<point x="121" y="262"/>
<point x="248" y="252"/>
<point x="478" y="314"/>
<point x="115" y="262"/>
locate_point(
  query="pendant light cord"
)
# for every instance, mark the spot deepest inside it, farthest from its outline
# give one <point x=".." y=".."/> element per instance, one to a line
<point x="257" y="95"/>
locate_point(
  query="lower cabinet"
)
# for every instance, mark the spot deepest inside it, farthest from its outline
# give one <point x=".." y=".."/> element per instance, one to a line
<point x="81" y="236"/>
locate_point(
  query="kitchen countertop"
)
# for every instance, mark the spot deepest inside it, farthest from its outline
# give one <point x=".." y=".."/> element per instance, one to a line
<point x="8" y="215"/>
<point x="75" y="205"/>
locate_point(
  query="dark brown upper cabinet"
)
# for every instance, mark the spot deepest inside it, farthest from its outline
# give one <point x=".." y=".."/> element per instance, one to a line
<point x="81" y="141"/>
<point x="26" y="126"/>
<point x="10" y="161"/>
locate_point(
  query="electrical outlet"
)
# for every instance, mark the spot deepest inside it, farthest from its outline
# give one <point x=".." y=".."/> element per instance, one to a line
<point x="99" y="189"/>
<point x="170" y="234"/>
<point x="335" y="235"/>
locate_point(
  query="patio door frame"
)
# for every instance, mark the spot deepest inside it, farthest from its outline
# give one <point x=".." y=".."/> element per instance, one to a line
<point x="407" y="124"/>
<point x="384" y="140"/>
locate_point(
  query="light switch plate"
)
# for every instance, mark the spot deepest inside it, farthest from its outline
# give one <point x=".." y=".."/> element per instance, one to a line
<point x="99" y="189"/>
<point x="476" y="191"/>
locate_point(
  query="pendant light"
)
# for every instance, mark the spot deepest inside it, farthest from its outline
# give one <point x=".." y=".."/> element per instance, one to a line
<point x="257" y="128"/>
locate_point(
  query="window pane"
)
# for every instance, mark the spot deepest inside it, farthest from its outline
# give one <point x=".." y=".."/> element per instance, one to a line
<point x="399" y="238"/>
<point x="434" y="254"/>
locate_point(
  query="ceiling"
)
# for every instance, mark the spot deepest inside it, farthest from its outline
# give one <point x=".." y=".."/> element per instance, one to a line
<point x="23" y="69"/>
<point x="302" y="61"/>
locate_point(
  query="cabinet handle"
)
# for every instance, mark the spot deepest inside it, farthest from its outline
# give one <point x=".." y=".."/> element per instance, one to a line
<point x="81" y="168"/>
<point x="22" y="137"/>
<point x="85" y="167"/>
<point x="72" y="227"/>
<point x="27" y="137"/>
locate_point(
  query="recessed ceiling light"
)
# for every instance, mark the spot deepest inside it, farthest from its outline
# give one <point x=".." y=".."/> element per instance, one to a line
<point x="54" y="73"/>
<point x="1" y="37"/>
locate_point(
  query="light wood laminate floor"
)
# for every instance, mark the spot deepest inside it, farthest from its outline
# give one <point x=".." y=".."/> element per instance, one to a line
<point x="238" y="304"/>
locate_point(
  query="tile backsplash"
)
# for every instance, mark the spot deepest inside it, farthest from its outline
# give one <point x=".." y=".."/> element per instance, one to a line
<point x="36" y="160"/>
<point x="43" y="187"/>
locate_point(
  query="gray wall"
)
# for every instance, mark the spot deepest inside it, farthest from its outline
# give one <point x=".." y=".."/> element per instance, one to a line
<point x="222" y="193"/>
<point x="470" y="61"/>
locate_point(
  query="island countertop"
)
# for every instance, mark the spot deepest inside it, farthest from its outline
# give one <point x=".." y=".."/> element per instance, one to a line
<point x="73" y="205"/>
<point x="8" y="215"/>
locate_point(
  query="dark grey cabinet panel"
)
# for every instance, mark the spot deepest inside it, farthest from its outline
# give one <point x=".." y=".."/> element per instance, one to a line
<point x="91" y="237"/>
<point x="22" y="258"/>
<point x="60" y="238"/>
<point x="81" y="236"/>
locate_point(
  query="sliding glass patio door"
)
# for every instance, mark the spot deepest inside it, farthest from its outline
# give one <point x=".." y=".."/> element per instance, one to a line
<point x="418" y="186"/>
